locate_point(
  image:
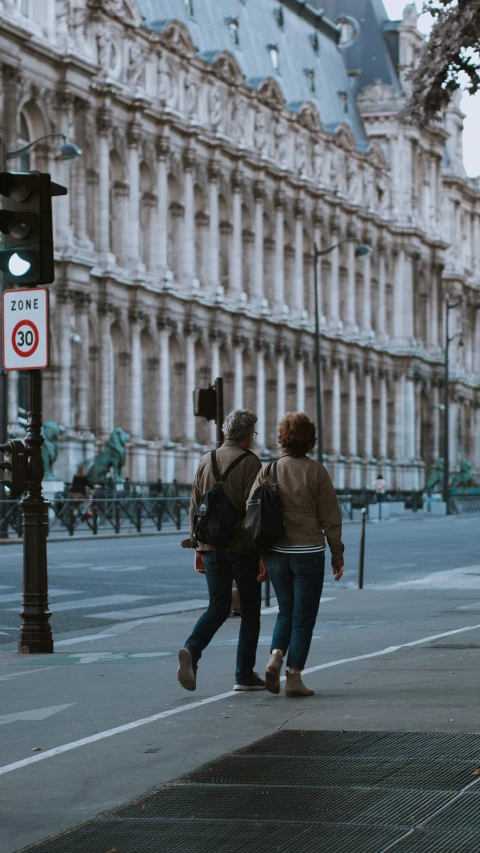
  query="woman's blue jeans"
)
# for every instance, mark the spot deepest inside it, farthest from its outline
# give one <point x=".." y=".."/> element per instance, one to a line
<point x="298" y="581"/>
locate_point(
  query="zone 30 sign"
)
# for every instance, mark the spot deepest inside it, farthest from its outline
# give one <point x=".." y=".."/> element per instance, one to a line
<point x="25" y="328"/>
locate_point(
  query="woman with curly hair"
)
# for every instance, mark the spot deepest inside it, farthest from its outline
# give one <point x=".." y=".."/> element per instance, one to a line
<point x="296" y="563"/>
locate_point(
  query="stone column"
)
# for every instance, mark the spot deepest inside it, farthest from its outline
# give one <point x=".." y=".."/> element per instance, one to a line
<point x="103" y="232"/>
<point x="136" y="377"/>
<point x="188" y="249"/>
<point x="408" y="316"/>
<point x="279" y="271"/>
<point x="105" y="419"/>
<point x="238" y="374"/>
<point x="300" y="382"/>
<point x="352" y="411"/>
<point x="79" y="175"/>
<point x="189" y="417"/>
<point x="215" y="337"/>
<point x="382" y="294"/>
<point x="214" y="228"/>
<point x="350" y="308"/>
<point x="236" y="272"/>
<point x="336" y="408"/>
<point x="435" y="278"/>
<point x="383" y="442"/>
<point x="477" y="437"/>
<point x="418" y="419"/>
<point x="367" y="288"/>
<point x="161" y="239"/>
<point x="334" y="288"/>
<point x="409" y="418"/>
<point x="260" y="395"/>
<point x="368" y="446"/>
<point x="64" y="330"/>
<point x="400" y="444"/>
<point x="398" y="295"/>
<point x="298" y="302"/>
<point x="62" y="174"/>
<point x="281" y="389"/>
<point x="257" y="282"/>
<point x="134" y="139"/>
<point x="164" y="382"/>
<point x="83" y="357"/>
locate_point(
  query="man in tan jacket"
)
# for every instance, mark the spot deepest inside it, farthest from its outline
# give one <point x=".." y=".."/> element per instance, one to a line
<point x="236" y="563"/>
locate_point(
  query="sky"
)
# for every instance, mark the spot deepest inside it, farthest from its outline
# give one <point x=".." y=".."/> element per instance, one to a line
<point x="470" y="105"/>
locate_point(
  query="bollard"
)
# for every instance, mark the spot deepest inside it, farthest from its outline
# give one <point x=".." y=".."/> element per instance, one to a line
<point x="362" y="550"/>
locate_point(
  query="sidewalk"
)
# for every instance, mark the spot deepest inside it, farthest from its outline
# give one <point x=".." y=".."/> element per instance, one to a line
<point x="333" y="775"/>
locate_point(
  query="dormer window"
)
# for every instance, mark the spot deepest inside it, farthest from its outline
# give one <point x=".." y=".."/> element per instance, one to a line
<point x="274" y="56"/>
<point x="344" y="99"/>
<point x="24" y="7"/>
<point x="310" y="75"/>
<point x="189" y="7"/>
<point x="315" y="42"/>
<point x="349" y="29"/>
<point x="233" y="27"/>
<point x="279" y="16"/>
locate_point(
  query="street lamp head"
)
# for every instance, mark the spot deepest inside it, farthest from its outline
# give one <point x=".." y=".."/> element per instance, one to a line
<point x="68" y="151"/>
<point x="362" y="251"/>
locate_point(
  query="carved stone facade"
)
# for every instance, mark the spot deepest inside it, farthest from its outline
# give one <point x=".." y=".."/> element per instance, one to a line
<point x="185" y="247"/>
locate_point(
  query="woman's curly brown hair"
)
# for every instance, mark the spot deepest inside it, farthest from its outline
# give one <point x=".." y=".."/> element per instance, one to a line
<point x="297" y="434"/>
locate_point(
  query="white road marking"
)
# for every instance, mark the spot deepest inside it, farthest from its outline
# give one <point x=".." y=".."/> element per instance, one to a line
<point x="180" y="709"/>
<point x="52" y="593"/>
<point x="25" y="672"/>
<point x="152" y="610"/>
<point x="117" y="568"/>
<point x="467" y="577"/>
<point x="36" y="714"/>
<point x="102" y="601"/>
<point x="4" y="586"/>
<point x="400" y="566"/>
<point x="105" y="657"/>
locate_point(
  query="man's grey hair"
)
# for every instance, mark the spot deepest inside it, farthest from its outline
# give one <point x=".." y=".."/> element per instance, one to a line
<point x="239" y="424"/>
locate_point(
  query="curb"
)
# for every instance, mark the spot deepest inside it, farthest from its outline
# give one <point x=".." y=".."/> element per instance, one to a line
<point x="95" y="537"/>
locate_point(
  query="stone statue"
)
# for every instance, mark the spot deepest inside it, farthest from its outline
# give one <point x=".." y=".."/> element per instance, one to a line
<point x="112" y="456"/>
<point x="51" y="434"/>
<point x="135" y="70"/>
<point x="215" y="108"/>
<point x="464" y="477"/>
<point x="239" y="119"/>
<point x="260" y="139"/>
<point x="435" y="480"/>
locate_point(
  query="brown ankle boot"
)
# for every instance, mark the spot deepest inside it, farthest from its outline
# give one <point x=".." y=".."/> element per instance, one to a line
<point x="295" y="686"/>
<point x="272" y="673"/>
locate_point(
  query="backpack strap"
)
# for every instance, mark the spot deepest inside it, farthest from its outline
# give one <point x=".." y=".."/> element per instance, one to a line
<point x="220" y="478"/>
<point x="273" y="467"/>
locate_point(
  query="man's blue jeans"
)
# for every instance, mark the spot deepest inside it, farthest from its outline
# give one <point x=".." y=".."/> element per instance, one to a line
<point x="298" y="581"/>
<point x="221" y="568"/>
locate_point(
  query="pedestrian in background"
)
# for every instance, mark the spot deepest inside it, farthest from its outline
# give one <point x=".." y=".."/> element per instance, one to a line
<point x="237" y="561"/>
<point x="296" y="563"/>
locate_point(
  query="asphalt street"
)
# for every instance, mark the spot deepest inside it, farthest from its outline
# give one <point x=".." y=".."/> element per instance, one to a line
<point x="94" y="583"/>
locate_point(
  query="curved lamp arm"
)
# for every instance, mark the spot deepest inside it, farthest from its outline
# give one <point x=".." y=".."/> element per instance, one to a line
<point x="10" y="155"/>
<point x="362" y="251"/>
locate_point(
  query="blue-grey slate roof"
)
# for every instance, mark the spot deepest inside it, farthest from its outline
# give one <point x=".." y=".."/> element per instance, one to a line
<point x="258" y="28"/>
<point x="374" y="53"/>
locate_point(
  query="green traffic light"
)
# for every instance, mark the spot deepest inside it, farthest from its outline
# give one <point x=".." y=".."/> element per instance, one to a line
<point x="17" y="266"/>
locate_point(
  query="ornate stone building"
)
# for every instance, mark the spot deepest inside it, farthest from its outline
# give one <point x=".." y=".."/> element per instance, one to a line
<point x="221" y="140"/>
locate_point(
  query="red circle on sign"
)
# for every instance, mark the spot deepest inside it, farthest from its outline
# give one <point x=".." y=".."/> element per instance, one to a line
<point x="36" y="338"/>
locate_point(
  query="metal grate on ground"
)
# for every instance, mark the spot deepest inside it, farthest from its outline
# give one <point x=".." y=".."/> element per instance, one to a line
<point x="308" y="792"/>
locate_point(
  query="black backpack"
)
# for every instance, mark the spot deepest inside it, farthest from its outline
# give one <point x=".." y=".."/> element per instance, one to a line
<point x="264" y="519"/>
<point x="215" y="519"/>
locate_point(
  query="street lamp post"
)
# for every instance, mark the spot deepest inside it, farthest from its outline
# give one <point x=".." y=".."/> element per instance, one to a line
<point x="362" y="251"/>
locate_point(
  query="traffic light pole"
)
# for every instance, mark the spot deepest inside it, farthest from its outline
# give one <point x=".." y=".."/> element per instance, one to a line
<point x="35" y="632"/>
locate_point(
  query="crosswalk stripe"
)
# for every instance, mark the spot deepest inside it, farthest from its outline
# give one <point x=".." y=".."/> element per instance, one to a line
<point x="52" y="593"/>
<point x="152" y="610"/>
<point x="103" y="601"/>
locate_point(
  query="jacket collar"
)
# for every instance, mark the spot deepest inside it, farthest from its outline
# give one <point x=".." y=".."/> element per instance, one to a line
<point x="230" y="443"/>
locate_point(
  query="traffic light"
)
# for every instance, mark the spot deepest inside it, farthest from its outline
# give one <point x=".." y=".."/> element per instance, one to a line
<point x="26" y="222"/>
<point x="15" y="469"/>
<point x="205" y="403"/>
